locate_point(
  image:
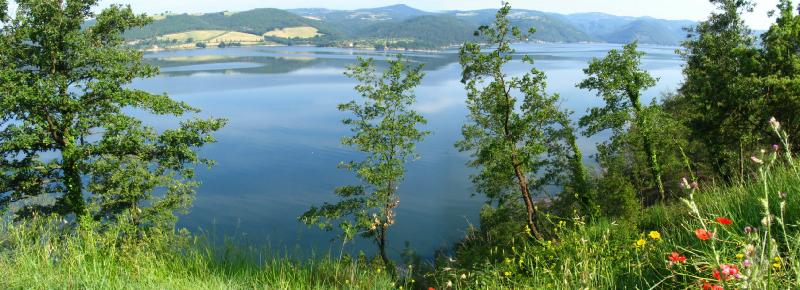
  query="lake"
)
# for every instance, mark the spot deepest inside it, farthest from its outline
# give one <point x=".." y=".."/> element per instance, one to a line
<point x="279" y="153"/>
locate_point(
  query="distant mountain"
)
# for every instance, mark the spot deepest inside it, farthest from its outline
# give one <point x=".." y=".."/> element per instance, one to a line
<point x="622" y="29"/>
<point x="549" y="27"/>
<point x="430" y="31"/>
<point x="400" y="26"/>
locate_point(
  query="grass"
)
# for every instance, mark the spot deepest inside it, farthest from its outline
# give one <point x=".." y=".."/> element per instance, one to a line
<point x="47" y="255"/>
<point x="754" y="244"/>
<point x="294" y="32"/>
<point x="764" y="253"/>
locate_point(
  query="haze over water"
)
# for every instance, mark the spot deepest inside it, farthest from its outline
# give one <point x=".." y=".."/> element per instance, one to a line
<point x="280" y="151"/>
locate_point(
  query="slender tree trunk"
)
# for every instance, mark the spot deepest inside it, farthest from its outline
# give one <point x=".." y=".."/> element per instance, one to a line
<point x="580" y="178"/>
<point x="526" y="195"/>
<point x="73" y="195"/>
<point x="652" y="158"/>
<point x="382" y="248"/>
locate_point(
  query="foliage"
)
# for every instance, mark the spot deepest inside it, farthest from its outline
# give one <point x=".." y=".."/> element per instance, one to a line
<point x="619" y="80"/>
<point x="65" y="133"/>
<point x="385" y="130"/>
<point x="726" y="106"/>
<point x="511" y="144"/>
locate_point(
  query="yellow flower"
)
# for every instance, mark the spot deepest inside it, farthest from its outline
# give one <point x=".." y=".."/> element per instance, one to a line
<point x="640" y="243"/>
<point x="507" y="273"/>
<point x="777" y="259"/>
<point x="655" y="235"/>
<point x="777" y="266"/>
<point x="739" y="256"/>
<point x="509" y="261"/>
<point x="379" y="270"/>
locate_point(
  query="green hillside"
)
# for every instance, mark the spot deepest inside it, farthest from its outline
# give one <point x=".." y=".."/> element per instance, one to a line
<point x="424" y="31"/>
<point x="258" y="21"/>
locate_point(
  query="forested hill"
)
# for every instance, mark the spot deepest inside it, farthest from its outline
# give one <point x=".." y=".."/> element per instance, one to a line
<point x="397" y="26"/>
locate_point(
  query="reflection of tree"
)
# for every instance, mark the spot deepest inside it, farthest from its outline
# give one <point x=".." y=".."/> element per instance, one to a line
<point x="293" y="62"/>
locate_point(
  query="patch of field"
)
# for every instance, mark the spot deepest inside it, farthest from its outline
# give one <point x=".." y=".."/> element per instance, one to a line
<point x="196" y="35"/>
<point x="294" y="32"/>
<point x="234" y="36"/>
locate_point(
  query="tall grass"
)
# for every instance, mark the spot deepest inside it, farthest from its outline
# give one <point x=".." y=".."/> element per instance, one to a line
<point x="47" y="254"/>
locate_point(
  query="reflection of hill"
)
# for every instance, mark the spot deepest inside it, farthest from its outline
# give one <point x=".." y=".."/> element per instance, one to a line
<point x="284" y="63"/>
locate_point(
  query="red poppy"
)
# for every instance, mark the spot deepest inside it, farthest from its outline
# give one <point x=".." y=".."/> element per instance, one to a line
<point x="676" y="258"/>
<point x="703" y="234"/>
<point x="431" y="288"/>
<point x="707" y="286"/>
<point x="724" y="221"/>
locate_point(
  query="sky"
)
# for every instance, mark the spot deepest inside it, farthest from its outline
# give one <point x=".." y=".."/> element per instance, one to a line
<point x="665" y="9"/>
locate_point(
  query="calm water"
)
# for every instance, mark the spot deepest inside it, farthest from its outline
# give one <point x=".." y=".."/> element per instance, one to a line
<point x="278" y="155"/>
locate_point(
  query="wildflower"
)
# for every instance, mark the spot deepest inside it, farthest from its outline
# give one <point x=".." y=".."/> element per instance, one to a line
<point x="749" y="230"/>
<point x="726" y="272"/>
<point x="685" y="183"/>
<point x="739" y="256"/>
<point x="509" y="261"/>
<point x="746" y="263"/>
<point x="703" y="234"/>
<point x="776" y="147"/>
<point x="695" y="185"/>
<point x="777" y="265"/>
<point x="707" y="286"/>
<point x="774" y="123"/>
<point x="724" y="221"/>
<point x="782" y="194"/>
<point x="675" y="257"/>
<point x="766" y="221"/>
<point x="463" y="276"/>
<point x="749" y="250"/>
<point x="507" y="273"/>
<point x="756" y="160"/>
<point x="431" y="288"/>
<point x="449" y="284"/>
<point x="640" y="243"/>
<point x="379" y="270"/>
<point x="655" y="235"/>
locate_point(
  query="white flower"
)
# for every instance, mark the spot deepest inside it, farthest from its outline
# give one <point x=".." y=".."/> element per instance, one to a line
<point x="774" y="123"/>
<point x="463" y="276"/>
<point x="756" y="160"/>
<point x="449" y="284"/>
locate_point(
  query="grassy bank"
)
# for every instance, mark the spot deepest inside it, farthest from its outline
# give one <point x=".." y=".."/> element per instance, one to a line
<point x="720" y="236"/>
<point x="48" y="254"/>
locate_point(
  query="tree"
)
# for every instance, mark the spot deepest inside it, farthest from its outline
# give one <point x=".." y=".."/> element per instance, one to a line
<point x="727" y="109"/>
<point x="384" y="128"/>
<point x="3" y="10"/>
<point x="509" y="142"/>
<point x="620" y="81"/>
<point x="780" y="72"/>
<point x="65" y="132"/>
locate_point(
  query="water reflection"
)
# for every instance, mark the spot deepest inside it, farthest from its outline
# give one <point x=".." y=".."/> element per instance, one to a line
<point x="279" y="153"/>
